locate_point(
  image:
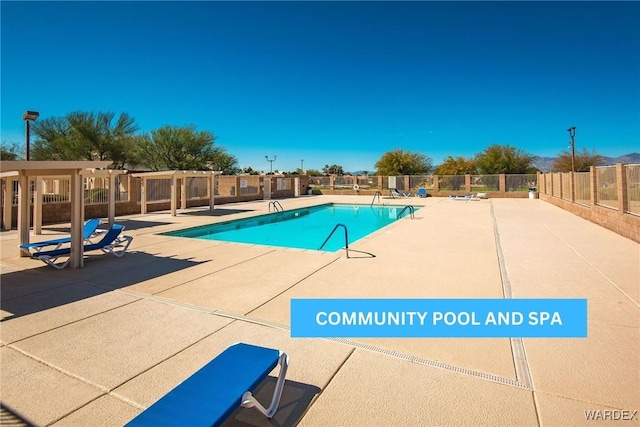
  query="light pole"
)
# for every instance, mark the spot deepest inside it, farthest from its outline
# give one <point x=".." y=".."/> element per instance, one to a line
<point x="28" y="116"/>
<point x="301" y="166"/>
<point x="271" y="162"/>
<point x="572" y="134"/>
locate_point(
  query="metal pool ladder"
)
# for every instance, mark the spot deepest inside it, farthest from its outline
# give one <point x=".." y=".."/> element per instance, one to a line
<point x="377" y="193"/>
<point x="346" y="238"/>
<point x="411" y="210"/>
<point x="276" y="204"/>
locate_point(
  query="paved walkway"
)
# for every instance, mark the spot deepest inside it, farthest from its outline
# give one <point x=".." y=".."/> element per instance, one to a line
<point x="96" y="345"/>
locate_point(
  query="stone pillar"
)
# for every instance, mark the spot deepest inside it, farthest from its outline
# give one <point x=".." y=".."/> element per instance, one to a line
<point x="621" y="178"/>
<point x="37" y="206"/>
<point x="211" y="189"/>
<point x="112" y="199"/>
<point x="23" y="212"/>
<point x="502" y="183"/>
<point x="143" y="195"/>
<point x="593" y="179"/>
<point x="174" y="195"/>
<point x="183" y="192"/>
<point x="77" y="220"/>
<point x="572" y="187"/>
<point x="7" y="208"/>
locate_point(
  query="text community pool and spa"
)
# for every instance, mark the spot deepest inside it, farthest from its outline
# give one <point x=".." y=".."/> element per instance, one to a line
<point x="439" y="318"/>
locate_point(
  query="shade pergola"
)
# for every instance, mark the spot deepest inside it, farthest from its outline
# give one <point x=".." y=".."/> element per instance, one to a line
<point x="174" y="176"/>
<point x="26" y="170"/>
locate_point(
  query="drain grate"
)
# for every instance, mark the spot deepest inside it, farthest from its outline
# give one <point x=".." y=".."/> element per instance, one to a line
<point x="414" y="359"/>
<point x="523" y="374"/>
<point x="435" y="364"/>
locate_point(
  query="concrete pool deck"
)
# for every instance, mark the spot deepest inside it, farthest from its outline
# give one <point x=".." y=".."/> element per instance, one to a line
<point x="94" y="346"/>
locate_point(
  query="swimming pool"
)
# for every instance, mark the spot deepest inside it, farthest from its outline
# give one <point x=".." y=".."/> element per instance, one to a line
<point x="304" y="228"/>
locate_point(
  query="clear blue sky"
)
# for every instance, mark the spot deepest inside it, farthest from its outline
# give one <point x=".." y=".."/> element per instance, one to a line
<point x="335" y="82"/>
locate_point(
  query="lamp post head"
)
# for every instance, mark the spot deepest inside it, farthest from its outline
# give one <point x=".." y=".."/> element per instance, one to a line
<point x="30" y="115"/>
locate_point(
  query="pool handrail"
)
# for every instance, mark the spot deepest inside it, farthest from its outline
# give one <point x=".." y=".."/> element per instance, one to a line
<point x="377" y="193"/>
<point x="346" y="237"/>
<point x="411" y="211"/>
<point x="275" y="204"/>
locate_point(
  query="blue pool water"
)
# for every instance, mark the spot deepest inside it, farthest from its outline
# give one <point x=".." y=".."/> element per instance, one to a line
<point x="303" y="228"/>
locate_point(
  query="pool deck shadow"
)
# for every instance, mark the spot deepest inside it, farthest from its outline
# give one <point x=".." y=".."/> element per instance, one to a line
<point x="96" y="345"/>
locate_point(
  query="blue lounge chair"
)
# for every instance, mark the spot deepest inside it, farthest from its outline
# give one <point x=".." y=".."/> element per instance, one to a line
<point x="89" y="230"/>
<point x="395" y="192"/>
<point x="113" y="242"/>
<point x="422" y="192"/>
<point x="212" y="394"/>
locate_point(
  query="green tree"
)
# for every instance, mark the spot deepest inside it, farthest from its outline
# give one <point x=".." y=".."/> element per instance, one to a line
<point x="400" y="162"/>
<point x="85" y="136"/>
<point x="223" y="161"/>
<point x="583" y="161"/>
<point x="456" y="166"/>
<point x="249" y="170"/>
<point x="9" y="152"/>
<point x="177" y="148"/>
<point x="313" y="172"/>
<point x="52" y="140"/>
<point x="497" y="159"/>
<point x="332" y="170"/>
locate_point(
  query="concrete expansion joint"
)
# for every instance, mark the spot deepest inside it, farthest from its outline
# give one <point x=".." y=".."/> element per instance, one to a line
<point x="596" y="269"/>
<point x="57" y="368"/>
<point x="73" y="321"/>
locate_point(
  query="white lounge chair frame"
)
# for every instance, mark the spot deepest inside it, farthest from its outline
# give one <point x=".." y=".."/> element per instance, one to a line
<point x="249" y="401"/>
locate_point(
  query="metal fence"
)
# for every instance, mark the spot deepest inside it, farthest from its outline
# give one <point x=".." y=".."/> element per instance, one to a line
<point x="548" y="183"/>
<point x="96" y="189"/>
<point x="607" y="186"/>
<point x="520" y="182"/>
<point x="421" y="181"/>
<point x="54" y="190"/>
<point x="320" y="181"/>
<point x="367" y="182"/>
<point x="555" y="185"/>
<point x="565" y="180"/>
<point x="196" y="187"/>
<point x="484" y="183"/>
<point x="451" y="183"/>
<point x="58" y="190"/>
<point x="633" y="188"/>
<point x="582" y="188"/>
<point x="156" y="190"/>
<point x="342" y="182"/>
<point x="445" y="183"/>
<point x="392" y="182"/>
